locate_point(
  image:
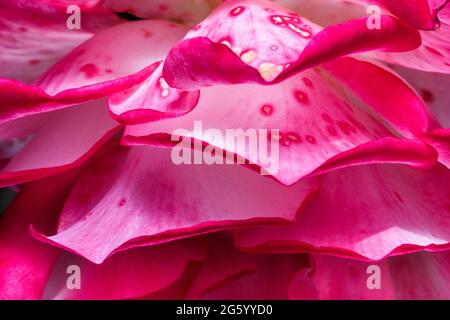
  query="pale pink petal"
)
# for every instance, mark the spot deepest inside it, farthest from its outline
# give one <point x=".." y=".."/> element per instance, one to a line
<point x="319" y="125"/>
<point x="58" y="141"/>
<point x="153" y="100"/>
<point x="113" y="60"/>
<point x="367" y="212"/>
<point x="413" y="276"/>
<point x="29" y="47"/>
<point x="138" y="196"/>
<point x="385" y="93"/>
<point x="176" y="10"/>
<point x="326" y="12"/>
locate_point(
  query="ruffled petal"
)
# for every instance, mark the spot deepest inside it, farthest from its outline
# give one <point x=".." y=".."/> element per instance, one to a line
<point x="318" y="126"/>
<point x="127" y="275"/>
<point x="415" y="276"/>
<point x="381" y="90"/>
<point x="56" y="141"/>
<point x="139" y="197"/>
<point x="152" y="100"/>
<point x="113" y="60"/>
<point x="422" y="14"/>
<point x="258" y="41"/>
<point x="419" y="123"/>
<point x="398" y="210"/>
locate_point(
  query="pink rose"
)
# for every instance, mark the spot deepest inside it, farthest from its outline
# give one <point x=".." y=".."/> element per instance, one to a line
<point x="94" y="108"/>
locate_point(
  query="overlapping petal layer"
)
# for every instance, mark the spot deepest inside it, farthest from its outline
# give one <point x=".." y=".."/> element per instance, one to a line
<point x="320" y="127"/>
<point x="398" y="210"/>
<point x="29" y="47"/>
<point x="131" y="274"/>
<point x="113" y="60"/>
<point x="433" y="54"/>
<point x="54" y="142"/>
<point x="139" y="197"/>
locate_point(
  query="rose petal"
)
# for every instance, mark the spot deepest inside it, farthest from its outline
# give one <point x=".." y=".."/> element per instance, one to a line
<point x="269" y="282"/>
<point x="433" y="55"/>
<point x="398" y="210"/>
<point x="421" y="13"/>
<point x="57" y="141"/>
<point x="257" y="41"/>
<point x="318" y="124"/>
<point x="25" y="263"/>
<point x="223" y="264"/>
<point x="28" y="48"/>
<point x="113" y="60"/>
<point x="127" y="275"/>
<point x="433" y="88"/>
<point x="175" y="10"/>
<point x="381" y="89"/>
<point x="152" y="100"/>
<point x="413" y="276"/>
<point x="139" y="197"/>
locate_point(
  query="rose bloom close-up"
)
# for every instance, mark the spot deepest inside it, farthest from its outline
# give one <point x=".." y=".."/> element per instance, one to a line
<point x="225" y="150"/>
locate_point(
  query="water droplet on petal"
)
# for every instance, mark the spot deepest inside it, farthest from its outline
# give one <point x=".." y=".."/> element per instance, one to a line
<point x="236" y="11"/>
<point x="269" y="71"/>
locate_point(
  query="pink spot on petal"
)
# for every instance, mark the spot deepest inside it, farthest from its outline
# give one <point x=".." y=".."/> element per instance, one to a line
<point x="327" y="118"/>
<point x="427" y="96"/>
<point x="301" y="96"/>
<point x="34" y="61"/>
<point x="90" y="70"/>
<point x="122" y="202"/>
<point x="308" y="82"/>
<point x="345" y="127"/>
<point x="310" y="139"/>
<point x="147" y="33"/>
<point x="236" y="11"/>
<point x="267" y="109"/>
<point x="332" y="130"/>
